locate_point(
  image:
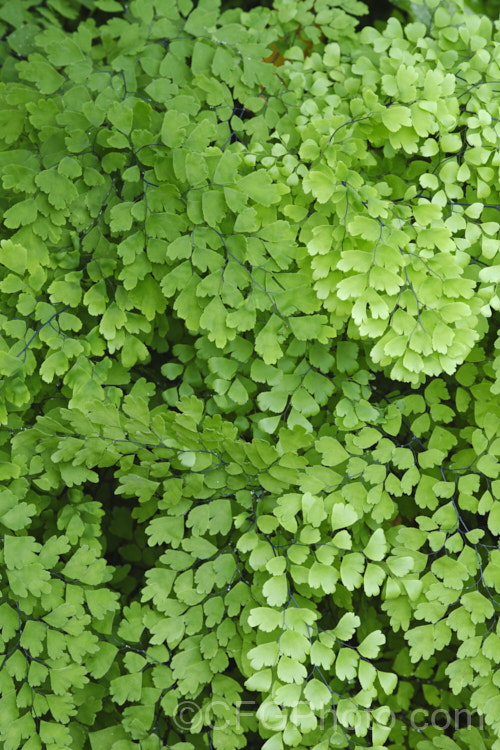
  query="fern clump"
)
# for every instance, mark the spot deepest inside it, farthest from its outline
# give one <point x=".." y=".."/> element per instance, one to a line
<point x="250" y="362"/>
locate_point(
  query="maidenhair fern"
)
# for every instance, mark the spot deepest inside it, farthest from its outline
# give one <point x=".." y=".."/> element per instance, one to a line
<point x="250" y="362"/>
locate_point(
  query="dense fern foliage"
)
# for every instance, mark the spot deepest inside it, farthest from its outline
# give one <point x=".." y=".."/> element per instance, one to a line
<point x="250" y="362"/>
